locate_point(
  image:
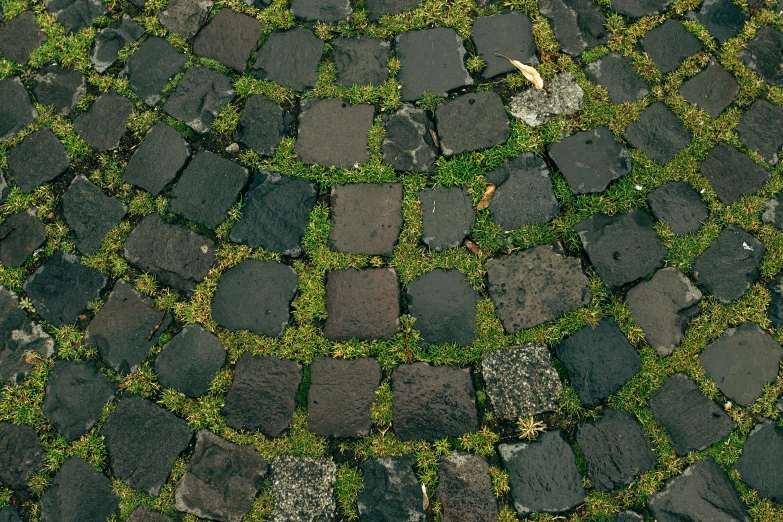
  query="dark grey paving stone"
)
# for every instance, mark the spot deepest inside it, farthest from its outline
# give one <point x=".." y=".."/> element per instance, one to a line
<point x="303" y="489"/>
<point x="408" y="141"/>
<point x="76" y="393"/>
<point x="702" y="492"/>
<point x="525" y="194"/>
<point x="207" y="189"/>
<point x="333" y="134"/>
<point x="722" y="18"/>
<point x="263" y="125"/>
<point x="471" y="122"/>
<point x="615" y="449"/>
<point x="230" y="38"/>
<point x="144" y="514"/>
<point x="16" y="110"/>
<point x="37" y="159"/>
<point x="21" y="455"/>
<point x="175" y="255"/>
<point x="263" y="394"/>
<point x="713" y="89"/>
<point x="379" y="8"/>
<point x="103" y="124"/>
<point x="22" y="234"/>
<point x="764" y="55"/>
<point x="759" y="464"/>
<point x="623" y="247"/>
<point x="639" y="8"/>
<point x="615" y="72"/>
<point x="8" y="513"/>
<point x="758" y="130"/>
<point x="521" y="381"/>
<point x="321" y="10"/>
<point x="125" y="328"/>
<point x="433" y="402"/>
<point x="111" y="40"/>
<point x="431" y="61"/>
<point x="59" y="87"/>
<point x="691" y="419"/>
<point x="448" y="216"/>
<point x="361" y="61"/>
<point x="190" y="361"/>
<point x="663" y="306"/>
<point x="295" y="46"/>
<point x="76" y="15"/>
<point x="659" y="133"/>
<point x="275" y="213"/>
<point x="185" y="16"/>
<point x="90" y="213"/>
<point x="366" y="218"/>
<point x="590" y="160"/>
<point x="668" y="45"/>
<point x="19" y="335"/>
<point x="577" y="24"/>
<point x="20" y="36"/>
<point x="771" y="215"/>
<point x="742" y="361"/>
<point x="78" y="492"/>
<point x="732" y="174"/>
<point x="199" y="97"/>
<point x="465" y="489"/>
<point x="63" y="288"/>
<point x="255" y="296"/>
<point x="628" y="516"/>
<point x="509" y="33"/>
<point x="678" y="205"/>
<point x="729" y="266"/>
<point x="542" y="474"/>
<point x="536" y="285"/>
<point x="599" y="360"/>
<point x="444" y="305"/>
<point x="340" y="396"/>
<point x="156" y="162"/>
<point x="775" y="310"/>
<point x="222" y="479"/>
<point x="560" y="96"/>
<point x="5" y="190"/>
<point x="391" y="491"/>
<point x="362" y="304"/>
<point x="142" y="441"/>
<point x="151" y="67"/>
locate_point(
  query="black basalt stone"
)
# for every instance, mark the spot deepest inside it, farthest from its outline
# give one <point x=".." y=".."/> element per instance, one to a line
<point x="775" y="311"/>
<point x="465" y="489"/>
<point x="472" y="122"/>
<point x="230" y="37"/>
<point x="713" y="89"/>
<point x="391" y="491"/>
<point x="361" y="61"/>
<point x="20" y="36"/>
<point x="668" y="45"/>
<point x="19" y="335"/>
<point x="151" y="67"/>
<point x="679" y="206"/>
<point x="448" y="216"/>
<point x="524" y="192"/>
<point x="78" y="493"/>
<point x="157" y="161"/>
<point x="16" y="111"/>
<point x="190" y="361"/>
<point x="759" y="463"/>
<point x="379" y="8"/>
<point x="103" y="124"/>
<point x="321" y="10"/>
<point x="577" y="24"/>
<point x="76" y="15"/>
<point x="615" y="72"/>
<point x="334" y="134"/>
<point x="758" y="129"/>
<point x="23" y="233"/>
<point x="509" y="33"/>
<point x="362" y="304"/>
<point x="90" y="213"/>
<point x="38" y="159"/>
<point x="732" y="174"/>
<point x="144" y="514"/>
<point x="722" y="18"/>
<point x="408" y="143"/>
<point x="199" y="97"/>
<point x="21" y="455"/>
<point x="111" y="40"/>
<point x="8" y="513"/>
<point x="60" y="88"/>
<point x="764" y="54"/>
<point x="263" y="125"/>
<point x="366" y="218"/>
<point x="659" y="133"/>
<point x="639" y="8"/>
<point x="185" y="16"/>
<point x="444" y="305"/>
<point x="298" y="45"/>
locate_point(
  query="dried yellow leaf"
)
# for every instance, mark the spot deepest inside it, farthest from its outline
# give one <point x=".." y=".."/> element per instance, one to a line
<point x="529" y="72"/>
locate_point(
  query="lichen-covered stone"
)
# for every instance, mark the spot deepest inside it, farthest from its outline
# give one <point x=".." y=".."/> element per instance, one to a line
<point x="560" y="96"/>
<point x="303" y="489"/>
<point x="391" y="491"/>
<point x="408" y="143"/>
<point x="19" y="335"/>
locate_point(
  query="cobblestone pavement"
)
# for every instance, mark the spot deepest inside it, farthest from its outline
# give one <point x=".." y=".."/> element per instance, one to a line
<point x="328" y="260"/>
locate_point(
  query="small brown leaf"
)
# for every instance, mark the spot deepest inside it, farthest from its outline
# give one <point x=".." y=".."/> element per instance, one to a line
<point x="473" y="247"/>
<point x="529" y="72"/>
<point x="484" y="203"/>
<point x="434" y="138"/>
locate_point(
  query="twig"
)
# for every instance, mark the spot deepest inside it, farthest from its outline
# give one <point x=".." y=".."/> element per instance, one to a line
<point x="157" y="326"/>
<point x="7" y="233"/>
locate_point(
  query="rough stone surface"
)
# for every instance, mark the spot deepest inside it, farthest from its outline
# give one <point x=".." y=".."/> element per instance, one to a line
<point x="111" y="40"/>
<point x="758" y="129"/>
<point x="722" y="18"/>
<point x="303" y="489"/>
<point x="776" y="305"/>
<point x="60" y="88"/>
<point x="151" y="67"/>
<point x="391" y="491"/>
<point x="124" y="329"/>
<point x="199" y="97"/>
<point x="465" y="489"/>
<point x="77" y="493"/>
<point x="8" y="513"/>
<point x="76" y="15"/>
<point x="759" y="464"/>
<point x="436" y="71"/>
<point x="76" y="393"/>
<point x="37" y="159"/>
<point x="63" y="288"/>
<point x="599" y="360"/>
<point x="143" y="440"/>
<point x="772" y="215"/>
<point x="263" y="125"/>
<point x="521" y="381"/>
<point x="296" y="46"/>
<point x="663" y="306"/>
<point x="668" y="45"/>
<point x="702" y="492"/>
<point x="230" y="37"/>
<point x="362" y="304"/>
<point x="742" y="361"/>
<point x="190" y="361"/>
<point x="590" y="160"/>
<point x="156" y="162"/>
<point x="713" y="89"/>
<point x="577" y="24"/>
<point x="366" y="218"/>
<point x="678" y="205"/>
<point x="19" y="37"/>
<point x="379" y="8"/>
<point x="255" y="296"/>
<point x="448" y="216"/>
<point x="729" y="266"/>
<point x="340" y="396"/>
<point x="23" y="233"/>
<point x="542" y="474"/>
<point x="361" y="61"/>
<point x="90" y="213"/>
<point x="275" y="213"/>
<point x="144" y="514"/>
<point x="639" y="8"/>
<point x="103" y="124"/>
<point x="444" y="305"/>
<point x="5" y="190"/>
<point x="732" y="174"/>
<point x="525" y="194"/>
<point x="535" y="286"/>
<point x="659" y="133"/>
<point x="628" y="516"/>
<point x="623" y="247"/>
<point x="408" y="143"/>
<point x="509" y="33"/>
<point x="263" y="394"/>
<point x="21" y="455"/>
<point x="560" y="96"/>
<point x="221" y="481"/>
<point x="616" y="73"/>
<point x="185" y="16"/>
<point x="691" y="419"/>
<point x="334" y="134"/>
<point x="16" y="110"/>
<point x="764" y="54"/>
<point x="321" y="10"/>
<point x="19" y="335"/>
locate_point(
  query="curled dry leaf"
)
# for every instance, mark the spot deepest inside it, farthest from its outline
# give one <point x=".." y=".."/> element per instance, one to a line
<point x="484" y="203"/>
<point x="473" y="247"/>
<point x="529" y="72"/>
